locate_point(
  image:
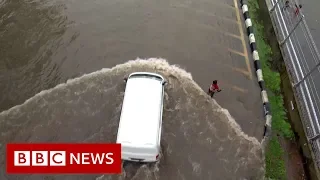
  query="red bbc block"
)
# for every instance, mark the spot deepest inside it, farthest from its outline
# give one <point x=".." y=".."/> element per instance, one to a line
<point x="63" y="158"/>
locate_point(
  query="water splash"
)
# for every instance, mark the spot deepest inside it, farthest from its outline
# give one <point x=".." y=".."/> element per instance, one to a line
<point x="200" y="139"/>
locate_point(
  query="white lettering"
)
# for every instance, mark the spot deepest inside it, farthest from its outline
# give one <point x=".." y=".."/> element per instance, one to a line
<point x="75" y="158"/>
<point x="96" y="158"/>
<point x="91" y="158"/>
<point x="85" y="156"/>
<point x="109" y="158"/>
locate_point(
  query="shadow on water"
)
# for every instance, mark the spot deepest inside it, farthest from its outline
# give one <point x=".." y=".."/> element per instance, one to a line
<point x="200" y="139"/>
<point x="30" y="32"/>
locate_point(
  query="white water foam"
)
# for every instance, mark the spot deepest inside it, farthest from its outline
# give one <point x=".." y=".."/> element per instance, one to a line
<point x="157" y="64"/>
<point x="224" y="128"/>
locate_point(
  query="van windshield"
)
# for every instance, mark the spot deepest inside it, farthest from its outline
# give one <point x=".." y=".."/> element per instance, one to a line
<point x="146" y="76"/>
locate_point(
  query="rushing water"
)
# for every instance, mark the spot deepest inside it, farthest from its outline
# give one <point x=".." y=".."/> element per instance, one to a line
<point x="45" y="42"/>
<point x="200" y="139"/>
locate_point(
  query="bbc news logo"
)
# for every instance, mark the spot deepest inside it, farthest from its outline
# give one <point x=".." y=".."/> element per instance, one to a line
<point x="40" y="158"/>
<point x="58" y="158"/>
<point x="64" y="158"/>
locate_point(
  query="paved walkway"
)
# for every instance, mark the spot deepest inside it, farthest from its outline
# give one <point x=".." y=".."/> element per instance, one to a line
<point x="310" y="9"/>
<point x="302" y="58"/>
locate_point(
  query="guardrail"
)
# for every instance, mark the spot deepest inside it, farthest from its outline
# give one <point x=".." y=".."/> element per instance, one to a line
<point x="302" y="61"/>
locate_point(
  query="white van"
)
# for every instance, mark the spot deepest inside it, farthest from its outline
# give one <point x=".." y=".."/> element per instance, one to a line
<point x="140" y="124"/>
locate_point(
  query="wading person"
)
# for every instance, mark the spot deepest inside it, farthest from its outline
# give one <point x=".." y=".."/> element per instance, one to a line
<point x="213" y="88"/>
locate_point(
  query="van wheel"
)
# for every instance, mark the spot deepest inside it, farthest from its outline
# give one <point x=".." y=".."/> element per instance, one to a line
<point x="124" y="164"/>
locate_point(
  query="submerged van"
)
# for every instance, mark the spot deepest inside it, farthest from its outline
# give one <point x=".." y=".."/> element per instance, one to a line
<point x="140" y="124"/>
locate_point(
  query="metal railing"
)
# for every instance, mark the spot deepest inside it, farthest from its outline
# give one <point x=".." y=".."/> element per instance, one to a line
<point x="302" y="61"/>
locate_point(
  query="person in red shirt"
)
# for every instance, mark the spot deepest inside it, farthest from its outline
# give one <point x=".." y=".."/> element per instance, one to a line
<point x="297" y="10"/>
<point x="214" y="88"/>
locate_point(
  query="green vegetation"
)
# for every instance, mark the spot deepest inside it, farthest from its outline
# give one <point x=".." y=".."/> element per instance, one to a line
<point x="275" y="166"/>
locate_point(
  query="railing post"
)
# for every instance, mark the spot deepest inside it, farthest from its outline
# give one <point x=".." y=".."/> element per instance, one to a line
<point x="308" y="74"/>
<point x="314" y="137"/>
<point x="275" y="5"/>
<point x="292" y="30"/>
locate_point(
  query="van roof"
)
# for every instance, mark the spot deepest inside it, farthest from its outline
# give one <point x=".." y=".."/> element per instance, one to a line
<point x="141" y="111"/>
<point x="146" y="74"/>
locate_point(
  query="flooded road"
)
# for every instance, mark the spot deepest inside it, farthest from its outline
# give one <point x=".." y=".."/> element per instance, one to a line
<point x="200" y="139"/>
<point x="44" y="43"/>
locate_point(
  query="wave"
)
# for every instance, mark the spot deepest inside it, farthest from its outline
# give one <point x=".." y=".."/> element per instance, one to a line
<point x="200" y="139"/>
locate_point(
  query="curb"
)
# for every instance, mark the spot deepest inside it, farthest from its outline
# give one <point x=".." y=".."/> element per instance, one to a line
<point x="257" y="65"/>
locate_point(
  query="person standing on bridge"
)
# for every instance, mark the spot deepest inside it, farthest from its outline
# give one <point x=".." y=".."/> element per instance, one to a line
<point x="286" y="5"/>
<point x="213" y="88"/>
<point x="297" y="10"/>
